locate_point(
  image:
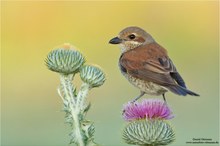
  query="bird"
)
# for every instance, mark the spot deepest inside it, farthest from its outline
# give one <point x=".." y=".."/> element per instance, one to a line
<point x="146" y="64"/>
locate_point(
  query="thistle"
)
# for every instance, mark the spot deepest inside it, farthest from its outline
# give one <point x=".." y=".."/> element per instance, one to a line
<point x="148" y="123"/>
<point x="92" y="75"/>
<point x="67" y="61"/>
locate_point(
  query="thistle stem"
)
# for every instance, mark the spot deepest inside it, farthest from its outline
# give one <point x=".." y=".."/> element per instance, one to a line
<point x="66" y="83"/>
<point x="81" y="97"/>
<point x="76" y="125"/>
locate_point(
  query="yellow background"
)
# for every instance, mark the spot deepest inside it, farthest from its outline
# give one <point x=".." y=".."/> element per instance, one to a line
<point x="31" y="107"/>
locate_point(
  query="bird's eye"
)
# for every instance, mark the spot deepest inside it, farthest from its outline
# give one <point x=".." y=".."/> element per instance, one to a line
<point x="132" y="36"/>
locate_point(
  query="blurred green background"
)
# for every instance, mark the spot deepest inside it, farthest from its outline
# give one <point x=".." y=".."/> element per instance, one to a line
<point x="30" y="106"/>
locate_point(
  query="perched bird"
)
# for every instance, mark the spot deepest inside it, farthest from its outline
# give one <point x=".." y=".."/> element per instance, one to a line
<point x="146" y="64"/>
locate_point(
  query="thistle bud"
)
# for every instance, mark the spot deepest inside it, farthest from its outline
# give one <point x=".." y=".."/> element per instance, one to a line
<point x="92" y="75"/>
<point x="66" y="61"/>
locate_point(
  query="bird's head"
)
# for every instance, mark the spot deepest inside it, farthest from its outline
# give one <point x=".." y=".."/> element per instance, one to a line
<point x="132" y="37"/>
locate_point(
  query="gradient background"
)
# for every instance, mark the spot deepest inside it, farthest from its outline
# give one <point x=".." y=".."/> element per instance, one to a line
<point x="31" y="108"/>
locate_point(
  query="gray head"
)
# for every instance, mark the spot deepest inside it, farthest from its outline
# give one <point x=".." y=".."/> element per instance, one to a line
<point x="132" y="37"/>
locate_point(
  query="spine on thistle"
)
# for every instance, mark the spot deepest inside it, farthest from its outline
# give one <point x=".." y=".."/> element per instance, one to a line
<point x="67" y="61"/>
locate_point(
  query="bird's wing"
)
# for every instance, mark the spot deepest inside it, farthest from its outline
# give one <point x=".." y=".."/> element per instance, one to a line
<point x="151" y="63"/>
<point x="169" y="67"/>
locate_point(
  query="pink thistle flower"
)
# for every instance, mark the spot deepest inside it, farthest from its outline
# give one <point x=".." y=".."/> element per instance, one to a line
<point x="147" y="109"/>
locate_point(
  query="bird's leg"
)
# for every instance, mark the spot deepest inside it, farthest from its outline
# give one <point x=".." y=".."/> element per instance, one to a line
<point x="164" y="98"/>
<point x="139" y="96"/>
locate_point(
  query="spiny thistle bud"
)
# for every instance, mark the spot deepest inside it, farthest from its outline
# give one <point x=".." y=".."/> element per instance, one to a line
<point x="65" y="60"/>
<point x="92" y="75"/>
<point x="148" y="132"/>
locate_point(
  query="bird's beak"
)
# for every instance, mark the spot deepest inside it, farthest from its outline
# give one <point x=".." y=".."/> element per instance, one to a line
<point x="115" y="40"/>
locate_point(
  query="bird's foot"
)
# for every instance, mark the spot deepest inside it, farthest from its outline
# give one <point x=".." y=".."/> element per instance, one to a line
<point x="139" y="96"/>
<point x="164" y="98"/>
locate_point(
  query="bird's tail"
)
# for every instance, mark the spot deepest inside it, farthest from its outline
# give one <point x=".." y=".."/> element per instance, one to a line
<point x="181" y="91"/>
